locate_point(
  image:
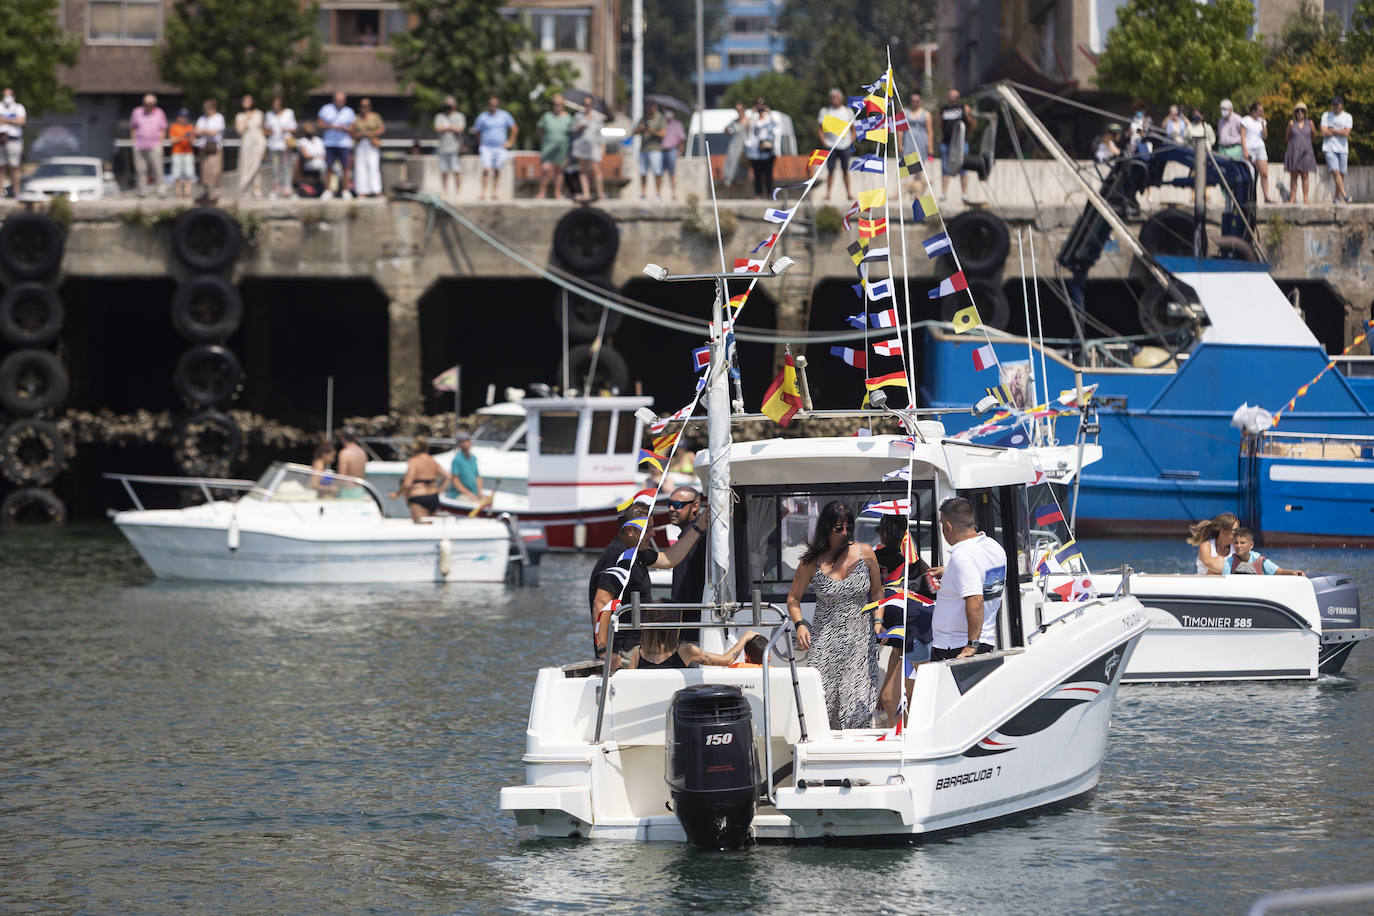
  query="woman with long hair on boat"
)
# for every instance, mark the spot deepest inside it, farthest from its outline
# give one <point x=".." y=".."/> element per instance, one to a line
<point x="665" y="648"/>
<point x="424" y="480"/>
<point x="1212" y="538"/>
<point x="841" y="637"/>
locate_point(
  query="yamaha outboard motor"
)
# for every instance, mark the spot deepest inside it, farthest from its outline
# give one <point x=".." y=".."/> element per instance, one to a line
<point x="711" y="767"/>
<point x="1338" y="599"/>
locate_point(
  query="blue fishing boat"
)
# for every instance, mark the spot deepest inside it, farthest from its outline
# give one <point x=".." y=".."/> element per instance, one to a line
<point x="1295" y="485"/>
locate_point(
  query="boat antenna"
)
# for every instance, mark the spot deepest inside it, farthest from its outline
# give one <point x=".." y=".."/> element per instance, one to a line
<point x="1039" y="326"/>
<point x="1025" y="303"/>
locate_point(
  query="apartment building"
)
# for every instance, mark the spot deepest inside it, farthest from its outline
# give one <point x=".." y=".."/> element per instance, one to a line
<point x="115" y="67"/>
<point x="750" y="45"/>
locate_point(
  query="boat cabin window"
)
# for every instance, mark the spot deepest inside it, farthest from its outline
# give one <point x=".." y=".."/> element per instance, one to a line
<point x="1000" y="513"/>
<point x="494" y="431"/>
<point x="558" y="432"/>
<point x="600" y="440"/>
<point x="626" y="442"/>
<point x="773" y="526"/>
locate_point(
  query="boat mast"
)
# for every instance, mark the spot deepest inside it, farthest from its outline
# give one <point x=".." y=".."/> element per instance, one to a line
<point x="718" y="444"/>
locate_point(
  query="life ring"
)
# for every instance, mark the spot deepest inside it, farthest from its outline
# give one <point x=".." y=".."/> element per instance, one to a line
<point x="32" y="506"/>
<point x="611" y="371"/>
<point x="207" y="442"/>
<point x="584" y="315"/>
<point x="32" y="452"/>
<point x="32" y="381"/>
<point x="1170" y="232"/>
<point x="206" y="309"/>
<point x="1235" y="248"/>
<point x="31" y="315"/>
<point x="993" y="308"/>
<point x="206" y="238"/>
<point x="586" y="240"/>
<point x="30" y="246"/>
<point x="207" y="375"/>
<point x="981" y="241"/>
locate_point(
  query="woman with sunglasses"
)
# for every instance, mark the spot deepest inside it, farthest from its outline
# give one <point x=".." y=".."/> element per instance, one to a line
<point x="1212" y="538"/>
<point x="842" y="636"/>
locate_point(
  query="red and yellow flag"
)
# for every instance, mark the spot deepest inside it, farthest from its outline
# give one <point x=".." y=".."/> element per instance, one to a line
<point x="869" y="228"/>
<point x="782" y="400"/>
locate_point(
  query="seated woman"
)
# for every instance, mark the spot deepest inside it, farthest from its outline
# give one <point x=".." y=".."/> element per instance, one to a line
<point x="1212" y="538"/>
<point x="664" y="648"/>
<point x="323" y="481"/>
<point x="843" y="575"/>
<point x="915" y="617"/>
<point x="424" y="480"/>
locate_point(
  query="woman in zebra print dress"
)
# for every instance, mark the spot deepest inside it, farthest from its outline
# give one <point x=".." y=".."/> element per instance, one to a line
<point x="841" y="638"/>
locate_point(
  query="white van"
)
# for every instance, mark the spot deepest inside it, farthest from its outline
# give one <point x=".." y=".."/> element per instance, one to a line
<point x="713" y="122"/>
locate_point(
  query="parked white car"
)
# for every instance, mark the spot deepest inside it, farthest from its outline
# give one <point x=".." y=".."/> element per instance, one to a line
<point x="75" y="177"/>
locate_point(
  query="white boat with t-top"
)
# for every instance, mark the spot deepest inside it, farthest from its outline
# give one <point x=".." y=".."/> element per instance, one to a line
<point x="716" y="756"/>
<point x="298" y="525"/>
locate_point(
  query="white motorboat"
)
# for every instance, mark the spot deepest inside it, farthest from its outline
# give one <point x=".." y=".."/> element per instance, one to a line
<point x="985" y="738"/>
<point x="297" y="525"/>
<point x="1240" y="628"/>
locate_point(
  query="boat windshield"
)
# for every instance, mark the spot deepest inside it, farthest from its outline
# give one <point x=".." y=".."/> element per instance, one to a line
<point x="294" y="483"/>
<point x="774" y="525"/>
<point x="495" y="430"/>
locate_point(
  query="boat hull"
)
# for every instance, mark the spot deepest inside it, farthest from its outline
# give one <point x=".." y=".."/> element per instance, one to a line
<point x="989" y="738"/>
<point x="181" y="551"/>
<point x="1324" y="501"/>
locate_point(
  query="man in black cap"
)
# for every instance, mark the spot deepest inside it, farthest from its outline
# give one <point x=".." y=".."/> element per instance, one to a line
<point x="622" y="570"/>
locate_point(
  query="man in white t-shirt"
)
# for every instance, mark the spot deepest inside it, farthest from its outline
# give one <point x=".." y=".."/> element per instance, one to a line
<point x="971" y="586"/>
<point x="1336" y="125"/>
<point x="841" y="143"/>
<point x="12" y="119"/>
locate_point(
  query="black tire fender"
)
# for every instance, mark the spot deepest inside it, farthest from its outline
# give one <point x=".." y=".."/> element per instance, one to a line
<point x="993" y="307"/>
<point x="207" y="375"/>
<point x="30" y="246"/>
<point x="981" y="240"/>
<point x="1154" y="313"/>
<point x="611" y="371"/>
<point x="206" y="238"/>
<point x="32" y="452"/>
<point x="32" y="506"/>
<point x="1170" y="232"/>
<point x="586" y="240"/>
<point x="584" y="315"/>
<point x="207" y="442"/>
<point x="1235" y="248"/>
<point x="206" y="309"/>
<point x="31" y="315"/>
<point x="32" y="381"/>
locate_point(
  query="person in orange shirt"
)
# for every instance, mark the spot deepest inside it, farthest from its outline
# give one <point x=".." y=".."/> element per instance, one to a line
<point x="180" y="132"/>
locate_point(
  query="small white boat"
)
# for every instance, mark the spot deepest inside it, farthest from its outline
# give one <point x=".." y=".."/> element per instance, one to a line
<point x="985" y="738"/>
<point x="1240" y="628"/>
<point x="298" y="525"/>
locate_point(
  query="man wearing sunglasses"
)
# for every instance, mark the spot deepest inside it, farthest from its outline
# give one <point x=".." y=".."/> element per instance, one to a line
<point x="689" y="576"/>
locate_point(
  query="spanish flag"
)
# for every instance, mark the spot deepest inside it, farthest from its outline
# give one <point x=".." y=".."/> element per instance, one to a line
<point x="782" y="400"/>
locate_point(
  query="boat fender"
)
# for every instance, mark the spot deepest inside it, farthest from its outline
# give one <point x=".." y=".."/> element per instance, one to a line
<point x="32" y="452"/>
<point x="207" y="375"/>
<point x="586" y="240"/>
<point x="982" y="241"/>
<point x="1170" y="232"/>
<point x="584" y="315"/>
<point x="32" y="381"/>
<point x="206" y="309"/>
<point x="206" y="238"/>
<point x="30" y="246"/>
<point x="445" y="557"/>
<point x="31" y="315"/>
<point x="611" y="371"/>
<point x="207" y="442"/>
<point x="32" y="506"/>
<point x="232" y="539"/>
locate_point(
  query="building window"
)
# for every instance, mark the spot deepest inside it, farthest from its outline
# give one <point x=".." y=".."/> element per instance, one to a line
<point x="750" y="60"/>
<point x="714" y="62"/>
<point x="125" y="21"/>
<point x="360" y="26"/>
<point x="561" y="30"/>
<point x="750" y="25"/>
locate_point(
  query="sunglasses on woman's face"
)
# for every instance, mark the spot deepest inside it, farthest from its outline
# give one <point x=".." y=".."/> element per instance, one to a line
<point x="841" y="528"/>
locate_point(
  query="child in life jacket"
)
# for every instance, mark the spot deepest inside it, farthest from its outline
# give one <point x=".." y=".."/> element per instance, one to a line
<point x="1245" y="559"/>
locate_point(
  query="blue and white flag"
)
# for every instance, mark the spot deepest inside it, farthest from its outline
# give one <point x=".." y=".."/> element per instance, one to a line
<point x="778" y="216"/>
<point x="937" y="245"/>
<point x="881" y="289"/>
<point x="858" y="322"/>
<point x="866" y="164"/>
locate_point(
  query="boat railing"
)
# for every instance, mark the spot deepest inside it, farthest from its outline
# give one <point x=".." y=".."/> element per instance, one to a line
<point x="722" y="617"/>
<point x="204" y="484"/>
<point x="1333" y="446"/>
<point x="1355" y="366"/>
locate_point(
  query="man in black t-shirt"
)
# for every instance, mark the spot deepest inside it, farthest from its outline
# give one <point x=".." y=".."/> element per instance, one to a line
<point x="614" y="576"/>
<point x="954" y="114"/>
<point x="689" y="576"/>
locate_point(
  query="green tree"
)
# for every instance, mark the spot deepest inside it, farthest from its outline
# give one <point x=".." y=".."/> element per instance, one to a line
<point x="33" y="47"/>
<point x="438" y="57"/>
<point x="807" y="28"/>
<point x="225" y="48"/>
<point x="670" y="43"/>
<point x="844" y="60"/>
<point x="781" y="91"/>
<point x="1168" y="51"/>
